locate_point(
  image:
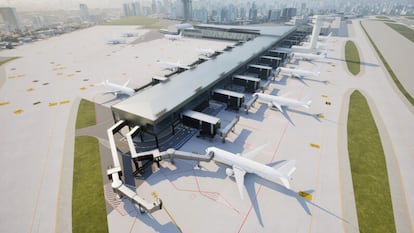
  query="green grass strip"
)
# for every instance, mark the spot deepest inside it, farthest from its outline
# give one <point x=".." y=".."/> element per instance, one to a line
<point x="390" y="71"/>
<point x="7" y="59"/>
<point x="88" y="202"/>
<point x="136" y="20"/>
<point x="369" y="169"/>
<point x="381" y="17"/>
<point x="352" y="57"/>
<point x="86" y="114"/>
<point x="403" y="30"/>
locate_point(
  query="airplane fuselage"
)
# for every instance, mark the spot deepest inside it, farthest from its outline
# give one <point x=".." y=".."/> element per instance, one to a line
<point x="308" y="56"/>
<point x="248" y="165"/>
<point x="283" y="101"/>
<point x="296" y="72"/>
<point x="119" y="88"/>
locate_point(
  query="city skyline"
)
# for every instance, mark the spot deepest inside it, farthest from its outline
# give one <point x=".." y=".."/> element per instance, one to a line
<point x="26" y="5"/>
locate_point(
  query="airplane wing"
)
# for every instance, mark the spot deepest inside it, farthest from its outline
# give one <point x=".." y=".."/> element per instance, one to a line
<point x="278" y="106"/>
<point x="287" y="170"/>
<point x="239" y="175"/>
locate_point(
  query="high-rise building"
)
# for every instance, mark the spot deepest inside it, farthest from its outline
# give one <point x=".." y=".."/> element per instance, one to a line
<point x="188" y="10"/>
<point x="84" y="12"/>
<point x="10" y="18"/>
<point x="288" y="13"/>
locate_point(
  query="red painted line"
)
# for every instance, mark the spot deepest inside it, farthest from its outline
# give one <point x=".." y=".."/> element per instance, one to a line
<point x="260" y="187"/>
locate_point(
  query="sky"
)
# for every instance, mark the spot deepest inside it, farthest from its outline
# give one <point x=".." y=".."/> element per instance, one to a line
<point x="59" y="4"/>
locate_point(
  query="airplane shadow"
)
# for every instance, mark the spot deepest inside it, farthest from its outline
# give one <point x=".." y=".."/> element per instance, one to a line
<point x="315" y="116"/>
<point x="188" y="169"/>
<point x="282" y="81"/>
<point x="304" y="203"/>
<point x="361" y="63"/>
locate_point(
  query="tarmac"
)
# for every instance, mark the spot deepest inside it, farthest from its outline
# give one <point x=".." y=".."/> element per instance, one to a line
<point x="197" y="199"/>
<point x="397" y="50"/>
<point x="39" y="94"/>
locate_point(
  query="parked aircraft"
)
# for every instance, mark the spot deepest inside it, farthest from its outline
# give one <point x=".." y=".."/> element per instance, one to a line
<point x="206" y="52"/>
<point x="130" y="34"/>
<point x="118" y="89"/>
<point x="325" y="38"/>
<point x="117" y="41"/>
<point x="280" y="101"/>
<point x="309" y="56"/>
<point x="296" y="72"/>
<point x="174" y="66"/>
<point x="174" y="37"/>
<point x="241" y="164"/>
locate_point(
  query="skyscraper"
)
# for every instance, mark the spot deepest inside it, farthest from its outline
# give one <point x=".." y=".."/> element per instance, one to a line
<point x="84" y="12"/>
<point x="10" y="18"/>
<point x="188" y="10"/>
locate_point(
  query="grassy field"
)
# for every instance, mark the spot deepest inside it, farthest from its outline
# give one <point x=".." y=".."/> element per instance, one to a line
<point x="403" y="30"/>
<point x="146" y="22"/>
<point x="381" y="17"/>
<point x="88" y="203"/>
<point x="86" y="114"/>
<point x="390" y="71"/>
<point x="352" y="57"/>
<point x="410" y="17"/>
<point x="4" y="60"/>
<point x="369" y="169"/>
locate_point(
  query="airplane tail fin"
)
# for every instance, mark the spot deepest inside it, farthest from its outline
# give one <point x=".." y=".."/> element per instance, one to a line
<point x="287" y="170"/>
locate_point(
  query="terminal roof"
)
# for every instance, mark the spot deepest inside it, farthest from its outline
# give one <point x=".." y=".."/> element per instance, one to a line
<point x="153" y="104"/>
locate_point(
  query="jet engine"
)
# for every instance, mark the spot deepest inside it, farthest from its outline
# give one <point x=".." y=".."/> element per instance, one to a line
<point x="229" y="172"/>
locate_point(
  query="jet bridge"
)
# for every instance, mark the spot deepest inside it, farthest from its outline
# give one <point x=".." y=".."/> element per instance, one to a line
<point x="114" y="174"/>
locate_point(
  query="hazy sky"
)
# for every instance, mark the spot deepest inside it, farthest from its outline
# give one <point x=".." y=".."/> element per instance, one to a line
<point x="60" y="4"/>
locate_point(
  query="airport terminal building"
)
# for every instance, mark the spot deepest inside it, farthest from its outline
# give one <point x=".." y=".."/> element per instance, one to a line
<point x="158" y="108"/>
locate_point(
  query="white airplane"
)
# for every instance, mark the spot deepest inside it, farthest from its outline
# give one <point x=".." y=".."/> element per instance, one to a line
<point x="296" y="72"/>
<point x="118" y="89"/>
<point x="130" y="34"/>
<point x="240" y="165"/>
<point x="325" y="38"/>
<point x="117" y="41"/>
<point x="206" y="52"/>
<point x="174" y="37"/>
<point x="309" y="56"/>
<point x="174" y="66"/>
<point x="280" y="101"/>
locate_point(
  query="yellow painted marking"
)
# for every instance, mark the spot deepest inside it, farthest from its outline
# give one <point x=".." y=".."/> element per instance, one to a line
<point x="54" y="69"/>
<point x="53" y="104"/>
<point x="155" y="195"/>
<point x="71" y="75"/>
<point x="18" y="111"/>
<point x="21" y="75"/>
<point x="63" y="68"/>
<point x="59" y="74"/>
<point x="124" y="73"/>
<point x="11" y="77"/>
<point x="305" y="195"/>
<point x="320" y="115"/>
<point x="64" y="102"/>
<point x="91" y="85"/>
<point x="83" y="88"/>
<point x="4" y="103"/>
<point x="324" y="96"/>
<point x="315" y="146"/>
<point x="30" y="89"/>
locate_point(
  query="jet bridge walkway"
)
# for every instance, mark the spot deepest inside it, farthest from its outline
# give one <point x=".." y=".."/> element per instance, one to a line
<point x="115" y="175"/>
